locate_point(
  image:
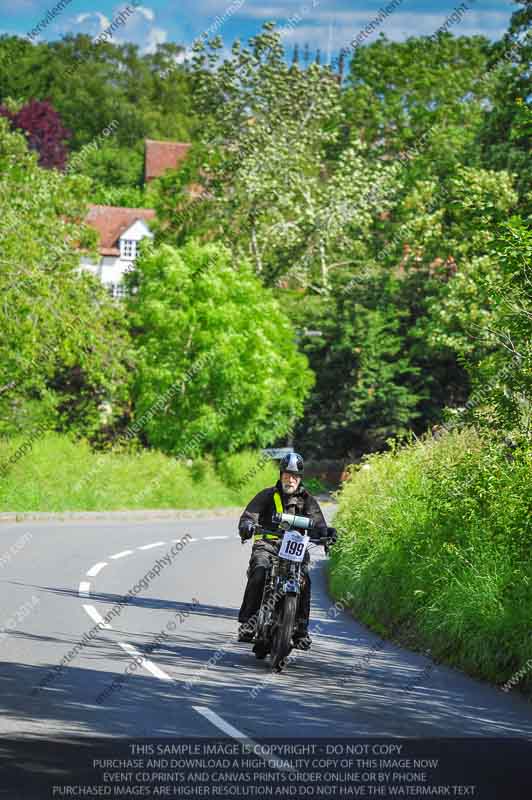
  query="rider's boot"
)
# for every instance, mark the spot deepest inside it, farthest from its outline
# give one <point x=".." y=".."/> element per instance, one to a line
<point x="246" y="632"/>
<point x="302" y="639"/>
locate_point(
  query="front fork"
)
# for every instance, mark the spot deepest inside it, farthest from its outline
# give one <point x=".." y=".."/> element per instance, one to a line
<point x="279" y="581"/>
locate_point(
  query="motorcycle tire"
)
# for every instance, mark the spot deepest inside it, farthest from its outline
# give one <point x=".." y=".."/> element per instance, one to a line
<point x="282" y="640"/>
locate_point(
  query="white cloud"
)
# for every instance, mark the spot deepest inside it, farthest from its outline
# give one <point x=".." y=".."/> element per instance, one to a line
<point x="104" y="22"/>
<point x="155" y="36"/>
<point x="147" y="13"/>
<point x="343" y="27"/>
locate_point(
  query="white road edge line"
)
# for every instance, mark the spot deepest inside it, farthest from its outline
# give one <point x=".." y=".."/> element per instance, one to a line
<point x="149" y="546"/>
<point x="93" y="571"/>
<point x="93" y="614"/>
<point x="234" y="733"/>
<point x="210" y="538"/>
<point x="122" y="554"/>
<point x="84" y="589"/>
<point x="149" y="665"/>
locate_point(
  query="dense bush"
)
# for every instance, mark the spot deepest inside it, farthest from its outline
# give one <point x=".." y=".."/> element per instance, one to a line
<point x="436" y="547"/>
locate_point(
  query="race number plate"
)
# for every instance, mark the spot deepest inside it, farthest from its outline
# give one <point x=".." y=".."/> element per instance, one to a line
<point x="293" y="546"/>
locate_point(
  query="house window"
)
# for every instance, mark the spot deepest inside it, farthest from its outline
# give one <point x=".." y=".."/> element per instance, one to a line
<point x="117" y="290"/>
<point x="129" y="248"/>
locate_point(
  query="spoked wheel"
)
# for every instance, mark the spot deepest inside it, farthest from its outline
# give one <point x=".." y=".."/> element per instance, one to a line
<point x="282" y="639"/>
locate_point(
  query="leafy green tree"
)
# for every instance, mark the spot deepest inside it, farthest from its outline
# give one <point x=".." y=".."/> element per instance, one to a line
<point x="367" y="388"/>
<point x="397" y="92"/>
<point x="113" y="167"/>
<point x="507" y="130"/>
<point x="498" y="315"/>
<point x="270" y="194"/>
<point x="215" y="348"/>
<point x="510" y="382"/>
<point x="63" y="345"/>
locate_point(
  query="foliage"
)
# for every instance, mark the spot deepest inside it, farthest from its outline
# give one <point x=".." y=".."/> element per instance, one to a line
<point x="264" y="164"/>
<point x="507" y="127"/>
<point x="91" y="85"/>
<point x="366" y="381"/>
<point x="113" y="168"/>
<point x="212" y="339"/>
<point x="62" y="340"/>
<point x="505" y="376"/>
<point x="435" y="548"/>
<point x="397" y="91"/>
<point x="60" y="474"/>
<point x="370" y="207"/>
<point x="41" y="125"/>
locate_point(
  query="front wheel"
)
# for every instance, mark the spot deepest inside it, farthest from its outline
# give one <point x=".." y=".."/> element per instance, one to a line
<point x="283" y="634"/>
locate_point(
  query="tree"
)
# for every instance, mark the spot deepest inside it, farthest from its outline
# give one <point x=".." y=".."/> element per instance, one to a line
<point x="90" y="85"/>
<point x="399" y="91"/>
<point x="42" y="127"/>
<point x="271" y="195"/>
<point x="507" y="129"/>
<point x="64" y="347"/>
<point x="367" y="388"/>
<point x="215" y="350"/>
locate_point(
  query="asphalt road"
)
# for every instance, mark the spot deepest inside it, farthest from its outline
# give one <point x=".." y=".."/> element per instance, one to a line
<point x="58" y="579"/>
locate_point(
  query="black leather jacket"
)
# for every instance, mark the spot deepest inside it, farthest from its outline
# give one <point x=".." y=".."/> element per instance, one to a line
<point x="262" y="508"/>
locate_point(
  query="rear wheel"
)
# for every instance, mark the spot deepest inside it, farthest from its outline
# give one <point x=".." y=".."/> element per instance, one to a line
<point x="283" y="635"/>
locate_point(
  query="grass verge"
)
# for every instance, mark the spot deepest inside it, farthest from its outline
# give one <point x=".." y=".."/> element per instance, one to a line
<point x="436" y="549"/>
<point x="55" y="473"/>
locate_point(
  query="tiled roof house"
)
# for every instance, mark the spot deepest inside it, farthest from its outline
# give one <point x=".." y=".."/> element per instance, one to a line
<point x="120" y="229"/>
<point x="119" y="232"/>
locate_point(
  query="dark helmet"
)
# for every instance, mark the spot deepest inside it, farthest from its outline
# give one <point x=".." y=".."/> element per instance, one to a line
<point x="292" y="462"/>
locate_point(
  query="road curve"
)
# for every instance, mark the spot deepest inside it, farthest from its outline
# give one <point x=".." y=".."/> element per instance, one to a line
<point x="167" y="662"/>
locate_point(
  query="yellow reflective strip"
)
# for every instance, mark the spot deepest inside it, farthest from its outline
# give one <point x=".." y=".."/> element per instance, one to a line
<point x="278" y="502"/>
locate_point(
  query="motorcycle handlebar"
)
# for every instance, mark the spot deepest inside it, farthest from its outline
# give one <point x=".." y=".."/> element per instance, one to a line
<point x="323" y="540"/>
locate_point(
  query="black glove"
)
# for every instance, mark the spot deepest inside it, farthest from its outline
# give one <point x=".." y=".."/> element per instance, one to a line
<point x="332" y="534"/>
<point x="320" y="533"/>
<point x="246" y="529"/>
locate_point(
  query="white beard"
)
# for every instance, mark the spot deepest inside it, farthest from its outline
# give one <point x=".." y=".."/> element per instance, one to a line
<point x="289" y="489"/>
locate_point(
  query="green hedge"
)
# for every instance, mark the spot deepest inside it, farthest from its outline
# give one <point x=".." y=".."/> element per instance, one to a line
<point x="56" y="473"/>
<point x="436" y="548"/>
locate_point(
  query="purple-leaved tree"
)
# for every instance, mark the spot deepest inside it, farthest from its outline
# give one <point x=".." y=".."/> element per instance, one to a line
<point x="41" y="124"/>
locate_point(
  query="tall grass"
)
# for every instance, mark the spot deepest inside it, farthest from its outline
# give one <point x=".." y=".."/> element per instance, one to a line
<point x="60" y="474"/>
<point x="436" y="548"/>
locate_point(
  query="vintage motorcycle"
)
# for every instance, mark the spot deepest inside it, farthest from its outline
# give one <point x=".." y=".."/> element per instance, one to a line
<point x="276" y="618"/>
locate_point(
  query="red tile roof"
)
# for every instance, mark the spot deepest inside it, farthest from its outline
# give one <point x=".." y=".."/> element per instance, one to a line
<point x="111" y="221"/>
<point x="160" y="156"/>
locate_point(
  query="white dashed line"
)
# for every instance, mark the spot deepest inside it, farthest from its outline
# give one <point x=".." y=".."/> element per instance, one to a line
<point x="220" y="723"/>
<point x="158" y="673"/>
<point x="234" y="733"/>
<point x="93" y="614"/>
<point x="84" y="591"/>
<point x="210" y="538"/>
<point x="122" y="554"/>
<point x="149" y="546"/>
<point x="93" y="571"/>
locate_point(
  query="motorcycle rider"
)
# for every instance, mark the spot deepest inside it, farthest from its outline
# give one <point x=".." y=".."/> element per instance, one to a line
<point x="287" y="496"/>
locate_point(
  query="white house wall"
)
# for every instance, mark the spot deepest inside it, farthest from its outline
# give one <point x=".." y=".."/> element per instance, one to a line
<point x="111" y="269"/>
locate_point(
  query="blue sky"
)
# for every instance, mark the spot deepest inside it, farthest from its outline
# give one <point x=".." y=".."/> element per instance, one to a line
<point x="328" y="24"/>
